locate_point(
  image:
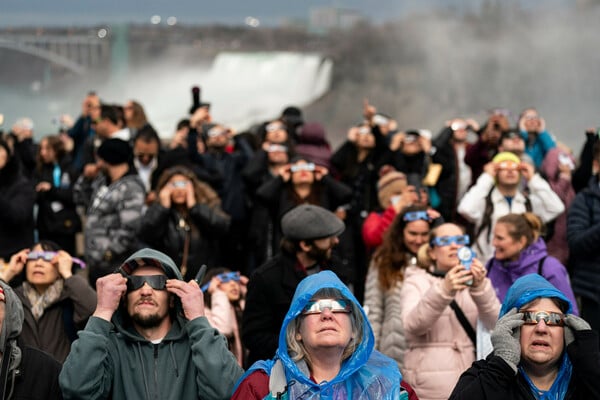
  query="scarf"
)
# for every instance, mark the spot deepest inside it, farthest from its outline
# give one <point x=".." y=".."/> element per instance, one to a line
<point x="558" y="390"/>
<point x="41" y="301"/>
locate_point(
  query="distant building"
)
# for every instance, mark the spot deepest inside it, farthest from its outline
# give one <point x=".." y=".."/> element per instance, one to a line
<point x="325" y="19"/>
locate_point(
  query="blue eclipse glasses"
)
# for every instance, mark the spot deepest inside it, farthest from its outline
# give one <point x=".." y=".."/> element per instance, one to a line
<point x="157" y="282"/>
<point x="49" y="256"/>
<point x="334" y="305"/>
<point x="415" y="216"/>
<point x="224" y="278"/>
<point x="448" y="240"/>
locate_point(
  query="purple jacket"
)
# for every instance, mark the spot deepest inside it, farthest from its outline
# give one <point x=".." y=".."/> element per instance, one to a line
<point x="504" y="273"/>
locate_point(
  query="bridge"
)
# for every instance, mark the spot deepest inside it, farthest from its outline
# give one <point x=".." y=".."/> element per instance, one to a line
<point x="76" y="52"/>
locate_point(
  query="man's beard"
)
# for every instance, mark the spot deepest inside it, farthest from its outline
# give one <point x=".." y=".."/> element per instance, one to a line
<point x="319" y="255"/>
<point x="147" y="321"/>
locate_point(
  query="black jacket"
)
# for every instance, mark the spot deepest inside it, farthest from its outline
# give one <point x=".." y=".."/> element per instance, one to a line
<point x="161" y="230"/>
<point x="270" y="292"/>
<point x="493" y="379"/>
<point x="37" y="377"/>
<point x="583" y="236"/>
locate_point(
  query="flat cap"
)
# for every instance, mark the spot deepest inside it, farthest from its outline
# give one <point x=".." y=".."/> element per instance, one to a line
<point x="308" y="221"/>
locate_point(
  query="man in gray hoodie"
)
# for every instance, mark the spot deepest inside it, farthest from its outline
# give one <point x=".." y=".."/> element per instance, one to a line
<point x="149" y="339"/>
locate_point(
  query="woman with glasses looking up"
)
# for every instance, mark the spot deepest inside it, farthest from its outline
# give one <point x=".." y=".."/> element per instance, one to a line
<point x="401" y="242"/>
<point x="541" y="350"/>
<point x="326" y="351"/>
<point x="56" y="302"/>
<point x="440" y="302"/>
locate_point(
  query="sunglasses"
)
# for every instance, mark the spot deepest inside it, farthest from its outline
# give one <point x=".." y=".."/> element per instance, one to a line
<point x="334" y="305"/>
<point x="508" y="165"/>
<point x="157" y="282"/>
<point x="303" y="167"/>
<point x="49" y="256"/>
<point x="448" y="240"/>
<point x="224" y="278"/>
<point x="549" y="317"/>
<point x="415" y="216"/>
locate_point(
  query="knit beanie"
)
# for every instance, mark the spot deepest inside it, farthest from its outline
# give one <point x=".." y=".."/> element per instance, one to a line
<point x="114" y="151"/>
<point x="390" y="182"/>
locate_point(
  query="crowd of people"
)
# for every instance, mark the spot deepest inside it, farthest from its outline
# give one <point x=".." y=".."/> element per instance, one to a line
<point x="218" y="264"/>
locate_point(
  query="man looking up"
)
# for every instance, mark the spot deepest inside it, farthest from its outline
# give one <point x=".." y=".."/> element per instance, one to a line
<point x="149" y="339"/>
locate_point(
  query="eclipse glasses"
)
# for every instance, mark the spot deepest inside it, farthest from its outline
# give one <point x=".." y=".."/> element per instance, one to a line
<point x="334" y="305"/>
<point x="157" y="282"/>
<point x="49" y="256"/>
<point x="448" y="240"/>
<point x="549" y="317"/>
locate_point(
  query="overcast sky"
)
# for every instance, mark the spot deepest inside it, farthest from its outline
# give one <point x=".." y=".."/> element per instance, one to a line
<point x="269" y="12"/>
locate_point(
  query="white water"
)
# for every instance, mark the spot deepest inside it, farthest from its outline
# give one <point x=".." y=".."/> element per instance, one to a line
<point x="243" y="88"/>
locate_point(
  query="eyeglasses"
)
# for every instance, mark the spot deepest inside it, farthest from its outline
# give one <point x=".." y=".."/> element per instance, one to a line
<point x="508" y="165"/>
<point x="273" y="127"/>
<point x="303" y="167"/>
<point x="448" y="240"/>
<point x="363" y="130"/>
<point x="549" y="317"/>
<point x="224" y="278"/>
<point x="334" y="305"/>
<point x="49" y="256"/>
<point x="157" y="282"/>
<point x="415" y="216"/>
<point x="179" y="184"/>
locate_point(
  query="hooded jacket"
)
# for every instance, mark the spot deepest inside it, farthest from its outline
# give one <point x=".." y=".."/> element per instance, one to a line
<point x="532" y="260"/>
<point x="114" y="360"/>
<point x="365" y="374"/>
<point x="494" y="379"/>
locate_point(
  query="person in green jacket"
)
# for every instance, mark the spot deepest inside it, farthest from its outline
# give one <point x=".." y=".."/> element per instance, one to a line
<point x="149" y="339"/>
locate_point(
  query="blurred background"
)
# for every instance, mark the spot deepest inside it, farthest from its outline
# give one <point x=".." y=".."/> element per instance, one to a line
<point x="422" y="62"/>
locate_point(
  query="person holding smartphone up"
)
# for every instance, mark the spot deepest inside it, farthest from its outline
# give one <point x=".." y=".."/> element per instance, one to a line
<point x="439" y="310"/>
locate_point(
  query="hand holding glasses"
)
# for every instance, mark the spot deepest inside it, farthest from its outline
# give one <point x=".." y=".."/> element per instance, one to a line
<point x="49" y="256"/>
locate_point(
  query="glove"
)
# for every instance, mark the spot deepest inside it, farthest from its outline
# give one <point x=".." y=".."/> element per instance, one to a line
<point x="574" y="323"/>
<point x="506" y="338"/>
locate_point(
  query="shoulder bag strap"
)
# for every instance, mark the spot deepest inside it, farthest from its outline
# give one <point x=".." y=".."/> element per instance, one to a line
<point x="464" y="322"/>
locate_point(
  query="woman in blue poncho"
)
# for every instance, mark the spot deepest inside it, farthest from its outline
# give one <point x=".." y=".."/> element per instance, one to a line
<point x="325" y="351"/>
<point x="541" y="350"/>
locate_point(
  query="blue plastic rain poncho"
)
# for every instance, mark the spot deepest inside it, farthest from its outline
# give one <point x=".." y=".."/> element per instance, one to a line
<point x="366" y="374"/>
<point x="523" y="291"/>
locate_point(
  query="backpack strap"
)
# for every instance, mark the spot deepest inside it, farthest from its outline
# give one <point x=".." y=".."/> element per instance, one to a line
<point x="464" y="322"/>
<point x="541" y="265"/>
<point x="486" y="220"/>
